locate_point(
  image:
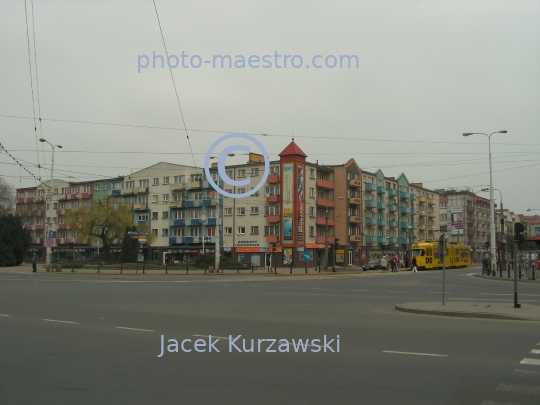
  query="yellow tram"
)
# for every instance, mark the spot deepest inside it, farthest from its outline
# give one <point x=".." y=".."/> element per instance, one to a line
<point x="427" y="255"/>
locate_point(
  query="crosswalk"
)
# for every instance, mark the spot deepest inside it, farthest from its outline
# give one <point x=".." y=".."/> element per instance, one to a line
<point x="523" y="385"/>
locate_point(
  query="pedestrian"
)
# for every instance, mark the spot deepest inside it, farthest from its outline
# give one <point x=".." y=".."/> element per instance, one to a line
<point x="396" y="260"/>
<point x="413" y="262"/>
<point x="384" y="265"/>
<point x="34" y="263"/>
<point x="406" y="259"/>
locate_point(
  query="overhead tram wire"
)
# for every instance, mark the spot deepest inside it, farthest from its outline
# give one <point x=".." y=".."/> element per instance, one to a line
<point x="38" y="179"/>
<point x="264" y="134"/>
<point x="174" y="84"/>
<point x="31" y="81"/>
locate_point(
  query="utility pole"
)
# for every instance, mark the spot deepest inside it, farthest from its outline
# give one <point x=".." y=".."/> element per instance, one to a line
<point x="218" y="244"/>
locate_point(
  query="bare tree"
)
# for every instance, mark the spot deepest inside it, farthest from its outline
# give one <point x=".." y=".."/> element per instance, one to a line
<point x="7" y="198"/>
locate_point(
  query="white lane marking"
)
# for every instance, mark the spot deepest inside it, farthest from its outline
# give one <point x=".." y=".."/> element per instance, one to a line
<point x="519" y="388"/>
<point x="3" y="315"/>
<point x="518" y="371"/>
<point x="363" y="290"/>
<point x="439" y="292"/>
<point x="535" y="351"/>
<point x="315" y="288"/>
<point x="521" y="295"/>
<point x="55" y="320"/>
<point x="217" y="337"/>
<point x="289" y="287"/>
<point x="416" y="354"/>
<point x="490" y="299"/>
<point x="533" y="362"/>
<point x="226" y="284"/>
<point x="140" y="330"/>
<point x="397" y="291"/>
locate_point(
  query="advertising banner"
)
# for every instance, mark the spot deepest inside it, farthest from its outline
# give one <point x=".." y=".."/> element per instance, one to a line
<point x="300" y="207"/>
<point x="456" y="216"/>
<point x="288" y="202"/>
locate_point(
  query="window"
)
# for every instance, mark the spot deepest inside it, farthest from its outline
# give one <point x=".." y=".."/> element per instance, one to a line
<point x="63" y="205"/>
<point x="227" y="230"/>
<point x="320" y="231"/>
<point x="178" y="231"/>
<point x="229" y="174"/>
<point x="241" y="172"/>
<point x="254" y="210"/>
<point x="211" y="212"/>
<point x="178" y="214"/>
<point x="197" y="196"/>
<point x="274" y="169"/>
<point x="215" y="177"/>
<point x="165" y="215"/>
<point x="254" y="171"/>
<point x="166" y="197"/>
<point x="106" y="186"/>
<point x="143" y="183"/>
<point x="155" y="198"/>
<point x="241" y="191"/>
<point x="311" y="192"/>
<point x="179" y="179"/>
<point x="311" y="173"/>
<point x="155" y="181"/>
<point x="195" y="177"/>
<point x="155" y="215"/>
<point x="311" y="231"/>
<point x="271" y="230"/>
<point x="97" y="187"/>
<point x="142" y="199"/>
<point x="194" y="214"/>
<point x="210" y="231"/>
<point x="165" y="180"/>
<point x="241" y="211"/>
<point x="86" y="189"/>
<point x="179" y="196"/>
<point x="75" y="190"/>
<point x="115" y="186"/>
<point x="194" y="231"/>
<point x="271" y="190"/>
<point x="241" y="230"/>
<point x="55" y="205"/>
<point x="154" y="232"/>
<point x="212" y="194"/>
<point x="60" y="219"/>
<point x="130" y="184"/>
<point x="64" y="190"/>
<point x="75" y="204"/>
<point x="143" y="217"/>
<point x="165" y="232"/>
<point x="311" y="211"/>
<point x="271" y="210"/>
<point x="254" y="230"/>
<point x="62" y="234"/>
<point x="227" y="211"/>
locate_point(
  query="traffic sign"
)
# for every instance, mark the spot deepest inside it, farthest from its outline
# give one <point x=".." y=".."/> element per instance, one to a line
<point x="131" y="233"/>
<point x="307" y="256"/>
<point x="49" y="242"/>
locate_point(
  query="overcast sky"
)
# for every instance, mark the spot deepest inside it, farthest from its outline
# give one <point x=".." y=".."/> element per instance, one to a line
<point x="427" y="72"/>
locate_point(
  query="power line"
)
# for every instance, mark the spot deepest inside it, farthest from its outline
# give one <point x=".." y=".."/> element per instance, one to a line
<point x="174" y="83"/>
<point x="267" y="134"/>
<point x="20" y="164"/>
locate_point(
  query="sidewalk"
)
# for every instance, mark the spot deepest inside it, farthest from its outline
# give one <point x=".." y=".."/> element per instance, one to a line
<point x="474" y="310"/>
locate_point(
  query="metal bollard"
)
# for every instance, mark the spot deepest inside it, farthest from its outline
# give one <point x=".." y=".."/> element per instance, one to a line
<point x="306" y="267"/>
<point x="252" y="268"/>
<point x="166" y="268"/>
<point x="143" y="267"/>
<point x="121" y="267"/>
<point x="290" y="268"/>
<point x="275" y="268"/>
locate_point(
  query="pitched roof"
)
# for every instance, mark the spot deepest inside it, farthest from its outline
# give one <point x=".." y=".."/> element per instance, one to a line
<point x="292" y="149"/>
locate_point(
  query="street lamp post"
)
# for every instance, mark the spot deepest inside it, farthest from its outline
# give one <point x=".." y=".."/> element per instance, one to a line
<point x="48" y="249"/>
<point x="491" y="202"/>
<point x="326" y="239"/>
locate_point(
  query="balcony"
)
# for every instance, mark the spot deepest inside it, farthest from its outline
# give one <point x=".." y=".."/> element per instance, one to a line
<point x="414" y="240"/>
<point x="86" y="195"/>
<point x="422" y="213"/>
<point x="370" y="239"/>
<point x="61" y="226"/>
<point x="272" y="199"/>
<point x="369" y="187"/>
<point x="272" y="238"/>
<point x="140" y="207"/>
<point x="370" y="203"/>
<point x="179" y="186"/>
<point x="404" y="225"/>
<point x="413" y="197"/>
<point x="62" y="197"/>
<point x="174" y="204"/>
<point x="29" y="199"/>
<point x="414" y="226"/>
<point x="370" y="221"/>
<point x="142" y="190"/>
<point x="431" y="214"/>
<point x="194" y="221"/>
<point x="392" y="192"/>
<point x="422" y="227"/>
<point x="381" y="206"/>
<point x="195" y="184"/>
<point x="403" y="195"/>
<point x="175" y="240"/>
<point x="209" y="202"/>
<point x="355" y="238"/>
<point x="381" y="222"/>
<point x="392" y="207"/>
<point x="38" y="227"/>
<point x="421" y="199"/>
<point x="381" y="240"/>
<point x="355" y="200"/>
<point x="392" y="240"/>
<point x="381" y="190"/>
<point x="59" y="211"/>
<point x="414" y="211"/>
<point x="431" y="201"/>
<point x="322" y="221"/>
<point x="20" y="200"/>
<point x="177" y="222"/>
<point x="355" y="183"/>
<point x="193" y="203"/>
<point x="392" y="223"/>
<point x="142" y="223"/>
<point x="37" y="241"/>
<point x="272" y="178"/>
<point x="272" y="219"/>
<point x="325" y="184"/>
<point x="320" y="240"/>
<point x="355" y="219"/>
<point x="404" y="210"/>
<point x="325" y="202"/>
<point x="470" y="209"/>
<point x="404" y="241"/>
<point x="126" y="191"/>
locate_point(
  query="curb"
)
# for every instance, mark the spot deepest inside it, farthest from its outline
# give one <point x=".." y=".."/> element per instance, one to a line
<point x="485" y="277"/>
<point x="458" y="314"/>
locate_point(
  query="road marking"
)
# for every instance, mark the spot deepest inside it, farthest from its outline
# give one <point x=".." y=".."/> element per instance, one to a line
<point x="55" y="320"/>
<point x="519" y="371"/>
<point x="398" y="291"/>
<point x="521" y="295"/>
<point x="289" y="287"/>
<point x="140" y="330"/>
<point x="519" y="388"/>
<point x="366" y="290"/>
<point x="439" y="292"/>
<point x="535" y="351"/>
<point x="217" y="337"/>
<point x="490" y="299"/>
<point x="3" y="315"/>
<point x="533" y="362"/>
<point x="416" y="354"/>
<point x="315" y="288"/>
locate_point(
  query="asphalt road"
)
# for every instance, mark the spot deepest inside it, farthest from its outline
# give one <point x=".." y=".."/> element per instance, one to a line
<point x="88" y="339"/>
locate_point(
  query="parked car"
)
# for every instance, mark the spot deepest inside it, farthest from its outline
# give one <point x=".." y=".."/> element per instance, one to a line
<point x="373" y="265"/>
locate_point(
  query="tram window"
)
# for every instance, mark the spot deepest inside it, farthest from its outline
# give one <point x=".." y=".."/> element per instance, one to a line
<point x="418" y="252"/>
